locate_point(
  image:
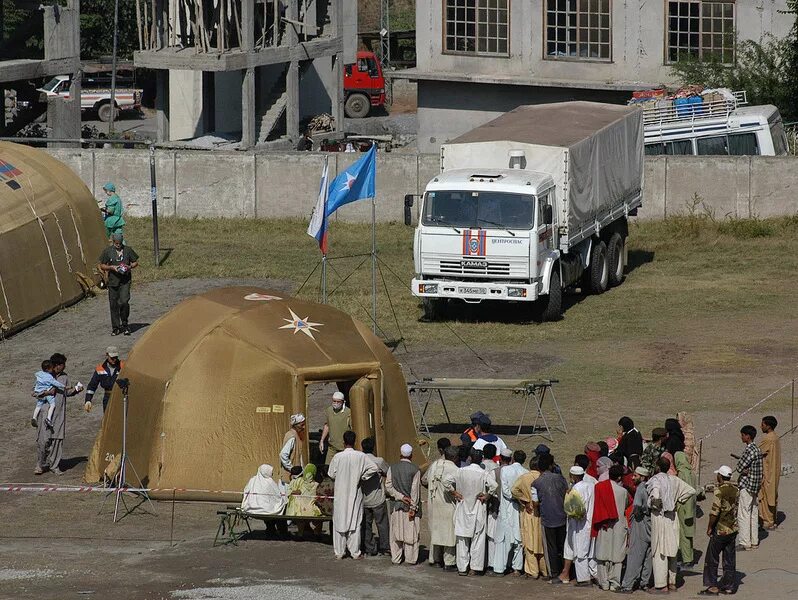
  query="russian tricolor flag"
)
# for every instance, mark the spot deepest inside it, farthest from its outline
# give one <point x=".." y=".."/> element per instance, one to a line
<point x="318" y="219"/>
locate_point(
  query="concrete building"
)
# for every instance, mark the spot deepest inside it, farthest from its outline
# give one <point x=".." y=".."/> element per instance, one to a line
<point x="254" y="67"/>
<point x="61" y="57"/>
<point x="479" y="58"/>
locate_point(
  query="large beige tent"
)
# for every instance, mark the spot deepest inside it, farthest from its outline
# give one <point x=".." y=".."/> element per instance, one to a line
<point x="51" y="236"/>
<point x="214" y="382"/>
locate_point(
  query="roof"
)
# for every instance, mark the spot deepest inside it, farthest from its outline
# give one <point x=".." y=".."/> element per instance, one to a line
<point x="298" y="334"/>
<point x="560" y="124"/>
<point x="507" y="177"/>
<point x="763" y="110"/>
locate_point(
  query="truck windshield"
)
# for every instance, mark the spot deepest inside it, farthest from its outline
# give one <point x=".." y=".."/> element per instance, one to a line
<point x="51" y="84"/>
<point x="479" y="209"/>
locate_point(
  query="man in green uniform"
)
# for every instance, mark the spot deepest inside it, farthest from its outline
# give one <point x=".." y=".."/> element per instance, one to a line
<point x="338" y="420"/>
<point x="118" y="261"/>
<point x="112" y="213"/>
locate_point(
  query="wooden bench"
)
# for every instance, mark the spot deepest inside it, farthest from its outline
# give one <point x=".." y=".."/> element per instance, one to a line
<point x="232" y="517"/>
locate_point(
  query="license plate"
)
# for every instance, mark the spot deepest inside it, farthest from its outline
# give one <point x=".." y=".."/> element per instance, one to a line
<point x="471" y="290"/>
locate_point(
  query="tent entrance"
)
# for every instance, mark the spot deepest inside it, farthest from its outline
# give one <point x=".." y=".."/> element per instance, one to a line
<point x="363" y="399"/>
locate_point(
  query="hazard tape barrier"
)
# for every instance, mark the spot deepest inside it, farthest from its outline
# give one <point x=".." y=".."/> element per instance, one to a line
<point x="745" y="412"/>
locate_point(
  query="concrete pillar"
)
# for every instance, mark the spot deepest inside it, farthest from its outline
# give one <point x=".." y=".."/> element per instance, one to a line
<point x="248" y="103"/>
<point x="162" y="105"/>
<point x="292" y="78"/>
<point x="337" y="91"/>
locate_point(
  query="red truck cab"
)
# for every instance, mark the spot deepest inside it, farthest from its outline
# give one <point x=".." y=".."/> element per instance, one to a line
<point x="364" y="85"/>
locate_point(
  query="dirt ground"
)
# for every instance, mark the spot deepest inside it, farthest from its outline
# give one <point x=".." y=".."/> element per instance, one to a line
<point x="64" y="545"/>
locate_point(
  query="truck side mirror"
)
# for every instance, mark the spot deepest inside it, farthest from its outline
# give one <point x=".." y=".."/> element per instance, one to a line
<point x="548" y="215"/>
<point x="409" y="200"/>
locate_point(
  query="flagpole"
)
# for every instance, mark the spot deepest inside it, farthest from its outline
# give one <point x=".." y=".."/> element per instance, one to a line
<point x="374" y="264"/>
<point x="324" y="254"/>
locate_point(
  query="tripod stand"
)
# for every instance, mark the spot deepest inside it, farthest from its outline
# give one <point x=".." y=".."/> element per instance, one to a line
<point x="124" y="463"/>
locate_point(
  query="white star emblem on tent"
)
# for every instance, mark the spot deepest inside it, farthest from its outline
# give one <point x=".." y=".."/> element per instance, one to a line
<point x="304" y="325"/>
<point x="349" y="182"/>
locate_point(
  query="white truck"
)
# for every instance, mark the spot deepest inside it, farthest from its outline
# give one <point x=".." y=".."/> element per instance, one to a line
<point x="528" y="205"/>
<point x="95" y="98"/>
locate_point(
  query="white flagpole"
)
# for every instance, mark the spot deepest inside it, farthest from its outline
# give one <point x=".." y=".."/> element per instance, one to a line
<point x="324" y="254"/>
<point x="374" y="265"/>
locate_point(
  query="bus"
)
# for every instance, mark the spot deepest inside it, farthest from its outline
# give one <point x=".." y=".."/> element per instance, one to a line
<point x="721" y="127"/>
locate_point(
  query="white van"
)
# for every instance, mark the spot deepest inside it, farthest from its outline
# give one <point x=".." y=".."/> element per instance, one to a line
<point x="719" y="128"/>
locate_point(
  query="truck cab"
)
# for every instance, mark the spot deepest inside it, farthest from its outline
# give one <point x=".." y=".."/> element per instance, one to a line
<point x="481" y="236"/>
<point x="364" y="85"/>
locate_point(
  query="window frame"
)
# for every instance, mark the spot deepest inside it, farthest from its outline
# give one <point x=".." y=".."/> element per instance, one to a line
<point x="476" y="52"/>
<point x="579" y="59"/>
<point x="666" y="30"/>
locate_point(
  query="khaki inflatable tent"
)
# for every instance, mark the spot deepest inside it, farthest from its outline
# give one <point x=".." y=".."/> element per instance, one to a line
<point x="214" y="382"/>
<point x="51" y="235"/>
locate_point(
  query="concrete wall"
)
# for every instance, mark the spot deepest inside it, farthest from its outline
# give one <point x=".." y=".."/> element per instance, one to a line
<point x="285" y="184"/>
<point x="185" y="104"/>
<point x="448" y="109"/>
<point x="638" y="32"/>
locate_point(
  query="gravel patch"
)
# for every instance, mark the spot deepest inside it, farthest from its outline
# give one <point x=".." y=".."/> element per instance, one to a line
<point x="263" y="590"/>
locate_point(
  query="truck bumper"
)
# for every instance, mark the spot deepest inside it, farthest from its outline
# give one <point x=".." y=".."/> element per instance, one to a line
<point x="378" y="99"/>
<point x="475" y="292"/>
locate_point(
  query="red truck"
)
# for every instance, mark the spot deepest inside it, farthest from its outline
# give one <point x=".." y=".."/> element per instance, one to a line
<point x="364" y="85"/>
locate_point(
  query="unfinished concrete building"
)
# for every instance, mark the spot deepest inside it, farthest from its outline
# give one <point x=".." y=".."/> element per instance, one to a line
<point x="258" y="67"/>
<point x="61" y="57"/>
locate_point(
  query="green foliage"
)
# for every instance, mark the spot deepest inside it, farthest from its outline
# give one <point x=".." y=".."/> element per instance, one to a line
<point x="97" y="29"/>
<point x="761" y="69"/>
<point x="22" y="32"/>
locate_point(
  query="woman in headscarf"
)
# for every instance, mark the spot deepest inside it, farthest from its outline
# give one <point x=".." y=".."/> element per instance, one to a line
<point x="675" y="441"/>
<point x="263" y="495"/>
<point x="302" y="494"/>
<point x="690" y="449"/>
<point x="630" y="446"/>
<point x="686" y="511"/>
<point x="669" y="457"/>
<point x="603" y="465"/>
<point x="112" y="211"/>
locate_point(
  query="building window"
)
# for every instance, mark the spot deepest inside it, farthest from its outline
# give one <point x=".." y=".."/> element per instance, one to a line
<point x="477" y="26"/>
<point x="700" y="30"/>
<point x="578" y="29"/>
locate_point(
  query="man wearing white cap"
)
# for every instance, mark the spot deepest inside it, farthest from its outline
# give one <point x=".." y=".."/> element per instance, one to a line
<point x="509" y="549"/>
<point x="338" y="420"/>
<point x="104" y="376"/>
<point x="722" y="533"/>
<point x="579" y="509"/>
<point x="471" y="486"/>
<point x="638" y="559"/>
<point x="403" y="486"/>
<point x="348" y="468"/>
<point x="293" y="451"/>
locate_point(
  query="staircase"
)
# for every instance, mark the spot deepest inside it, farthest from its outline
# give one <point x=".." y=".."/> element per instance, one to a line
<point x="272" y="109"/>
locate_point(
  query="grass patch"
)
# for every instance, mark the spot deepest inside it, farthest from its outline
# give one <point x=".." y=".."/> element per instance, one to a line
<point x="711" y="274"/>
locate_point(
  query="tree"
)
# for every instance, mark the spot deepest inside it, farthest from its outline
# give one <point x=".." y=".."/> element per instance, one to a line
<point x="97" y="29"/>
<point x="766" y="70"/>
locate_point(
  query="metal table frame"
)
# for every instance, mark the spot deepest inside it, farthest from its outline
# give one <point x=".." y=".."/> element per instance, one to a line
<point x="424" y="391"/>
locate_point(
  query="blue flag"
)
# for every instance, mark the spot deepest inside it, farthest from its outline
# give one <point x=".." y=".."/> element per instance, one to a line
<point x="355" y="183"/>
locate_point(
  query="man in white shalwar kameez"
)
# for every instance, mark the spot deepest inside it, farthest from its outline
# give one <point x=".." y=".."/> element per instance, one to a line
<point x="348" y="468"/>
<point x="578" y="544"/>
<point x="665" y="493"/>
<point x="508" y="526"/>
<point x="471" y="486"/>
<point x="489" y="451"/>
<point x="440" y="508"/>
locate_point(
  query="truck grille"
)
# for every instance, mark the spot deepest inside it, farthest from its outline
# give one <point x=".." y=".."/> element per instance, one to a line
<point x="451" y="266"/>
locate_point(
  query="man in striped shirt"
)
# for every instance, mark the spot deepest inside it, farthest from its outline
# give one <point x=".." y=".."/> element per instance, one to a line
<point x="751" y="470"/>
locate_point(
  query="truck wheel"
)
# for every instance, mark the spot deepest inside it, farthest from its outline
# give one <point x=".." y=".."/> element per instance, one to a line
<point x="597" y="274"/>
<point x="104" y="112"/>
<point x="357" y="106"/>
<point x="615" y="259"/>
<point x="433" y="308"/>
<point x="552" y="304"/>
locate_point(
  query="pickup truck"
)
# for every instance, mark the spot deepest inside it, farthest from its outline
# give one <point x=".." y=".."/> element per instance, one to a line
<point x="96" y="99"/>
<point x="530" y="205"/>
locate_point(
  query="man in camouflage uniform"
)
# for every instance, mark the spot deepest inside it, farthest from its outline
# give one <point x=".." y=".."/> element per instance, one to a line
<point x="722" y="532"/>
<point x="654" y="450"/>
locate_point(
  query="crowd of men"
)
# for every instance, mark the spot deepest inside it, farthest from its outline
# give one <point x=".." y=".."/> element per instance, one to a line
<point x="624" y="519"/>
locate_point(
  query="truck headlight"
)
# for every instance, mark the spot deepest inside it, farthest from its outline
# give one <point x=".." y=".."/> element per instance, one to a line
<point x="428" y="288"/>
<point x="515" y="292"/>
